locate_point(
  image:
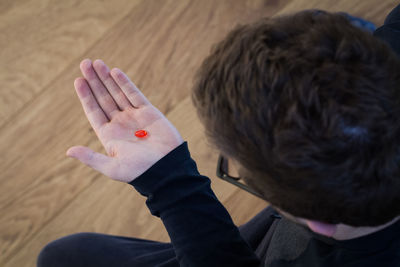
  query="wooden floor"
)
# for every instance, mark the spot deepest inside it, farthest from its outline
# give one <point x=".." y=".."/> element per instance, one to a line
<point x="44" y="194"/>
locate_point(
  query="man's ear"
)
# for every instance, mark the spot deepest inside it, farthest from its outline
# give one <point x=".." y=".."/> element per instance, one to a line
<point x="322" y="228"/>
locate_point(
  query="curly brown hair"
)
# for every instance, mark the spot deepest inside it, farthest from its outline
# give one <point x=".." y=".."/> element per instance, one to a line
<point x="308" y="104"/>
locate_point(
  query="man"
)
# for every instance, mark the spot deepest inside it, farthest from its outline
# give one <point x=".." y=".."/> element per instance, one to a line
<point x="306" y="104"/>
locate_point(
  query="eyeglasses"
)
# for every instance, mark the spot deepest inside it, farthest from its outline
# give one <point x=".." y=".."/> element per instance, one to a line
<point x="222" y="172"/>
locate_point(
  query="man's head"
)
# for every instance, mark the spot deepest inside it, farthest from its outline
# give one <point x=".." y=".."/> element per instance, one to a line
<point x="309" y="105"/>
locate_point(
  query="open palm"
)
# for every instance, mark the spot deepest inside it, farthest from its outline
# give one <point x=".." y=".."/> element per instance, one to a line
<point x="116" y="109"/>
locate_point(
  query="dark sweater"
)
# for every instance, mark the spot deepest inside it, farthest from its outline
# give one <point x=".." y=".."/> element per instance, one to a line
<point x="203" y="234"/>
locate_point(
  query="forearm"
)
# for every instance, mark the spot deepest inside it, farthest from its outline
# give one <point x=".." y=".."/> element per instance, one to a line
<point x="200" y="228"/>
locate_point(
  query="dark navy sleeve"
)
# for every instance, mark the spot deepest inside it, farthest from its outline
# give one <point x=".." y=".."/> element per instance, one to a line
<point x="389" y="32"/>
<point x="201" y="230"/>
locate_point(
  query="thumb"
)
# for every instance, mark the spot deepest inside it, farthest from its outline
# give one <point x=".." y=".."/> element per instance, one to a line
<point x="93" y="159"/>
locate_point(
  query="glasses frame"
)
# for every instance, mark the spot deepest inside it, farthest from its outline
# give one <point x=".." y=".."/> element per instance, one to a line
<point x="222" y="174"/>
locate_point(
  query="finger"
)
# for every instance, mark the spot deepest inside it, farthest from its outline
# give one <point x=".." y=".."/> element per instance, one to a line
<point x="129" y="88"/>
<point x="103" y="97"/>
<point x="95" y="160"/>
<point x="93" y="112"/>
<point x="104" y="74"/>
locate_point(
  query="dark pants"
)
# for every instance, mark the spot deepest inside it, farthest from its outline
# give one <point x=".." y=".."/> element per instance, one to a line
<point x="91" y="249"/>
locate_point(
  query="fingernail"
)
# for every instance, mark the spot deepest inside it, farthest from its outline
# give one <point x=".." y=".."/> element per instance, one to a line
<point x="86" y="63"/>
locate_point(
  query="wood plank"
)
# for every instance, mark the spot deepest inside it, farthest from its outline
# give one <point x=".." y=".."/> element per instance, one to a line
<point x="37" y="181"/>
<point x="370" y="9"/>
<point x="45" y="195"/>
<point x="39" y="39"/>
<point x="97" y="209"/>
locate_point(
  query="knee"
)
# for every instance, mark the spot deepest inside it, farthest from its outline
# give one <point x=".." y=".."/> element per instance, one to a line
<point x="62" y="252"/>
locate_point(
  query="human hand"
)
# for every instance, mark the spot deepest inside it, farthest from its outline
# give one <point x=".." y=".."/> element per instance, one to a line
<point x="116" y="109"/>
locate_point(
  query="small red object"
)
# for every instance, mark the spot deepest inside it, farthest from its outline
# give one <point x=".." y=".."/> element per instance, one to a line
<point x="140" y="133"/>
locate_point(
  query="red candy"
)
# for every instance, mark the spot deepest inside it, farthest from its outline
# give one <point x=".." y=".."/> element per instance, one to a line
<point x="140" y="133"/>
